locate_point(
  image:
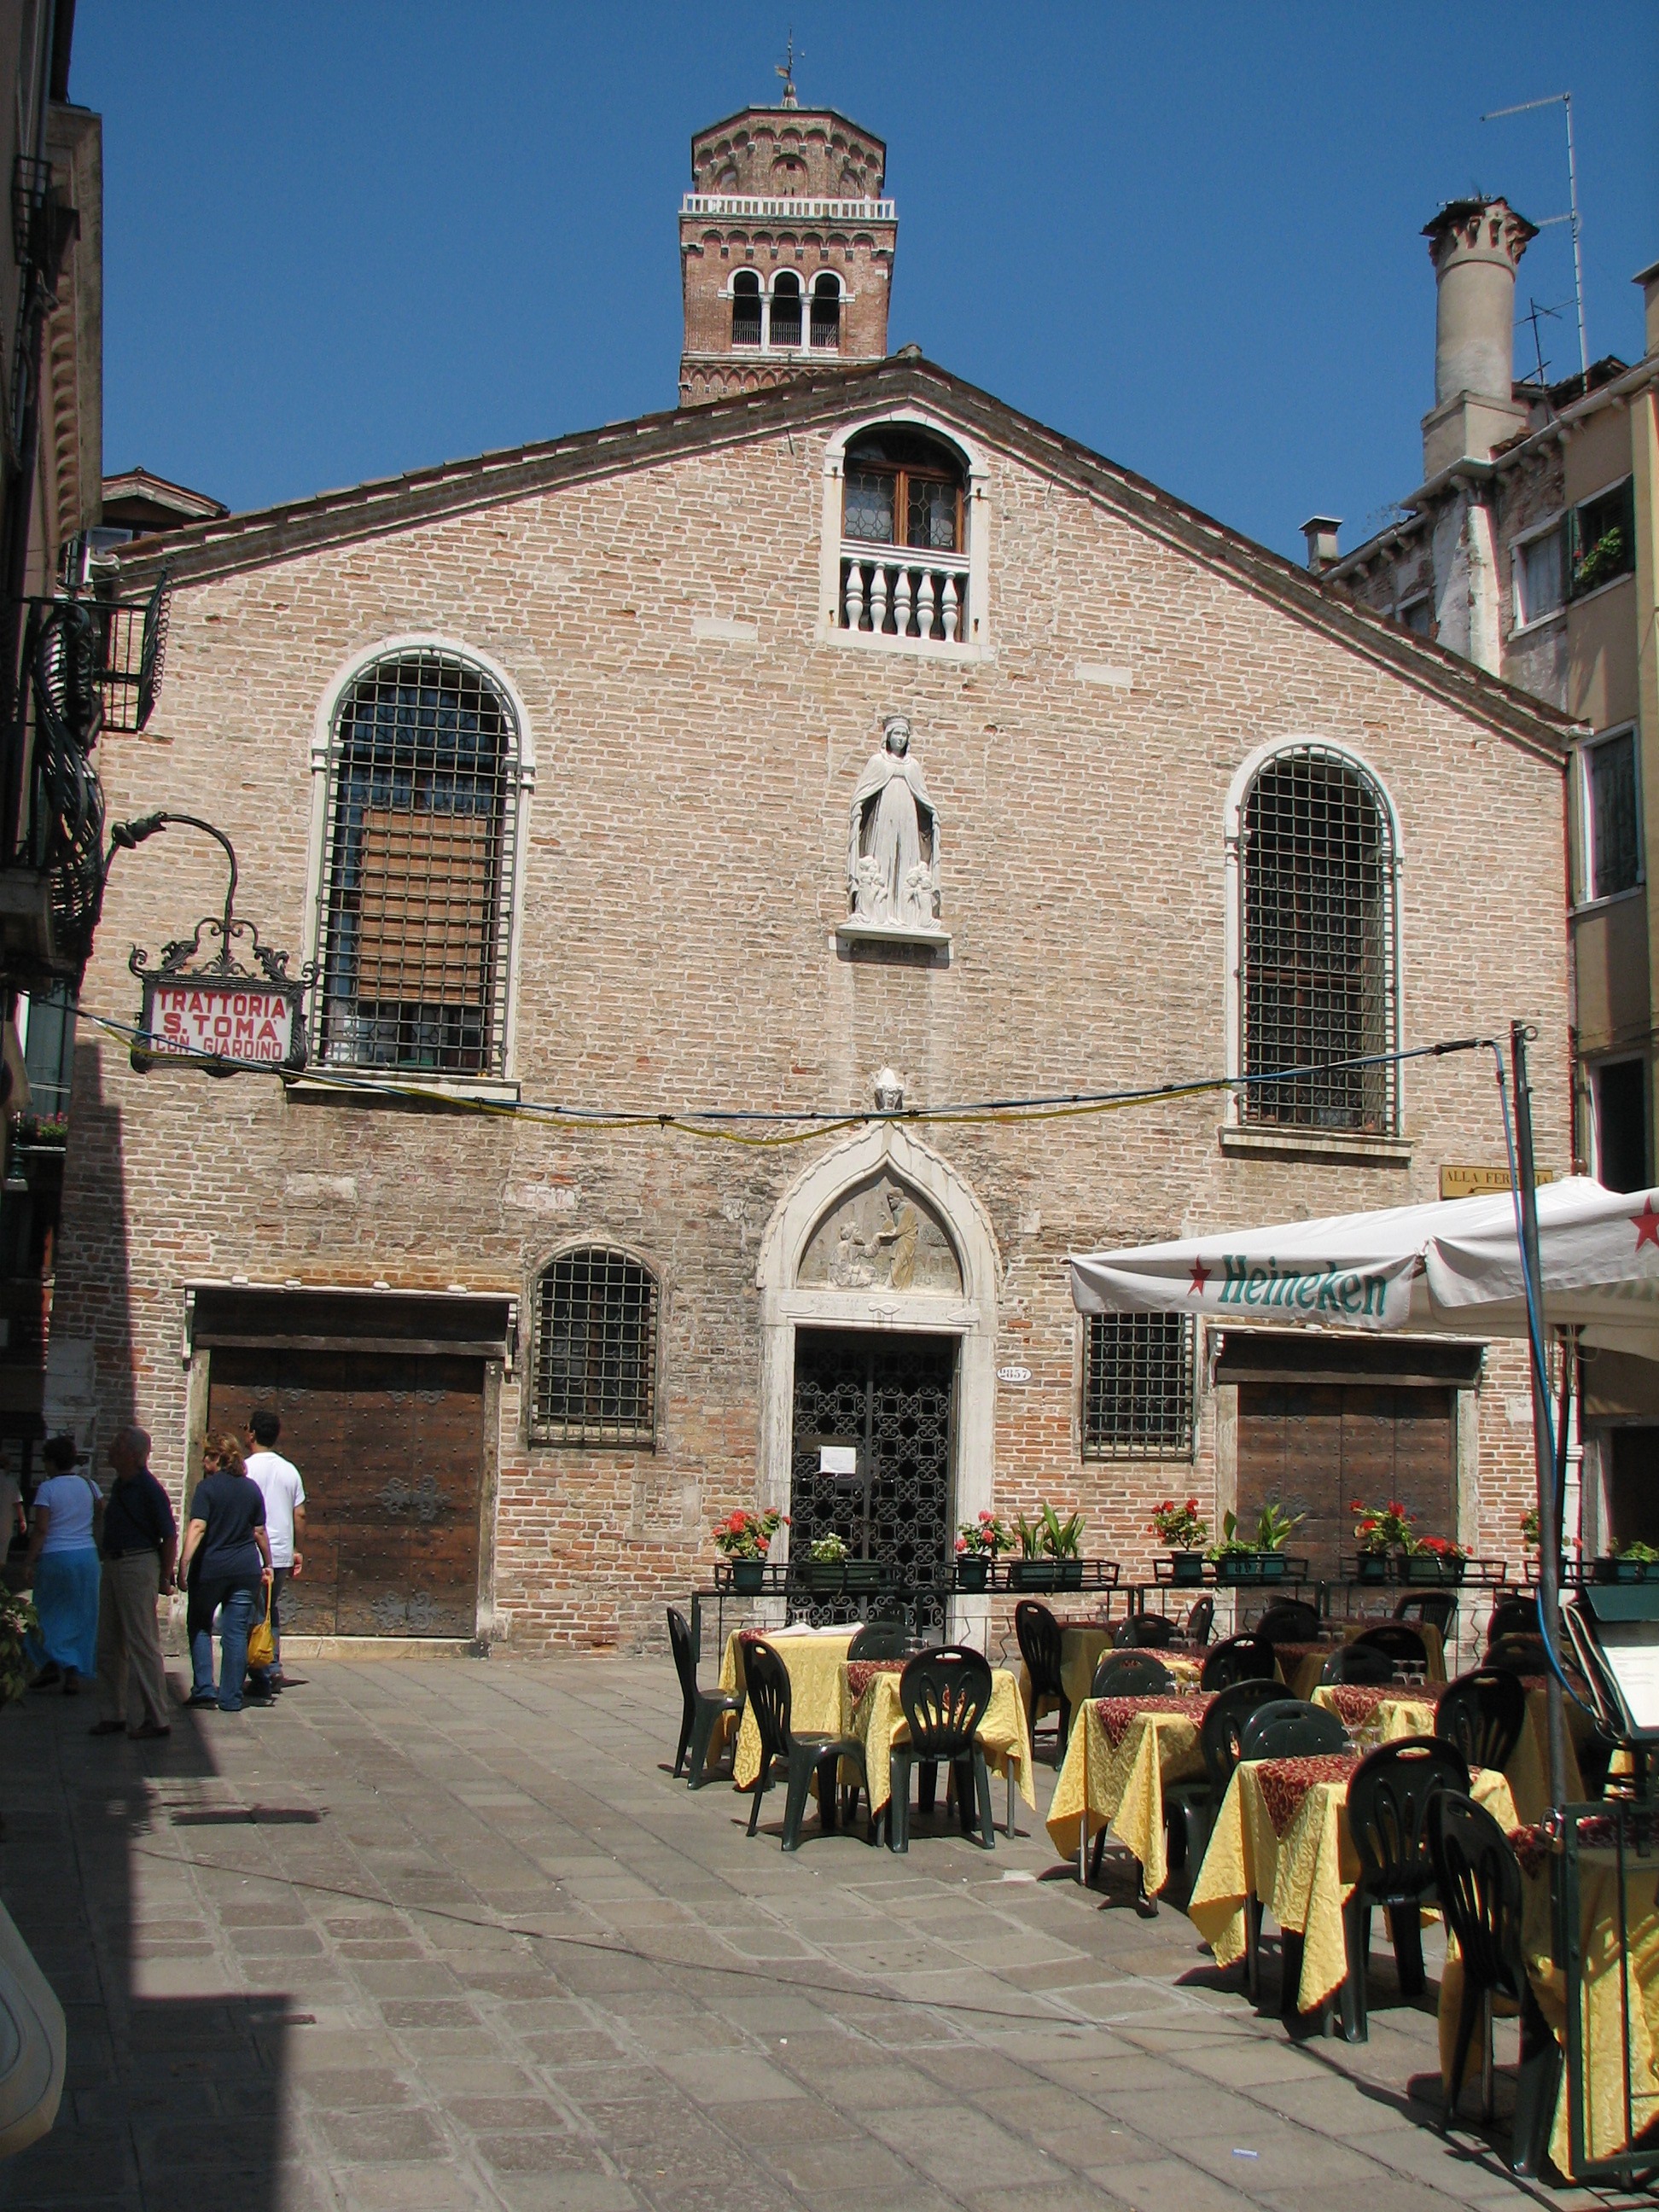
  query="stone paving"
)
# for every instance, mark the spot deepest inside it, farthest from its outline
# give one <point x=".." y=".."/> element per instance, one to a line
<point x="446" y="1935"/>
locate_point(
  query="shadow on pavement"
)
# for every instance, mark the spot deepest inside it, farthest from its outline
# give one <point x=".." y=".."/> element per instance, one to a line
<point x="169" y="2100"/>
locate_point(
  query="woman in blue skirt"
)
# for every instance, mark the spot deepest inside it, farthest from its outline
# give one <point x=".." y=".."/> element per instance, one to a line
<point x="63" y="1569"/>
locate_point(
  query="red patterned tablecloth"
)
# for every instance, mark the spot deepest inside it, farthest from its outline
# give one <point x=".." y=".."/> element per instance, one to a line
<point x="1354" y="1703"/>
<point x="1117" y="1715"/>
<point x="1285" y="1782"/>
<point x="861" y="1673"/>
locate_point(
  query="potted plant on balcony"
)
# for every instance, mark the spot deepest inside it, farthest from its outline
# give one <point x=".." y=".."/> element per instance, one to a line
<point x="1260" y="1557"/>
<point x="979" y="1545"/>
<point x="1050" y="1552"/>
<point x="1383" y="1533"/>
<point x="1631" y="1563"/>
<point x="744" y="1539"/>
<point x="1435" y="1560"/>
<point x="1186" y="1531"/>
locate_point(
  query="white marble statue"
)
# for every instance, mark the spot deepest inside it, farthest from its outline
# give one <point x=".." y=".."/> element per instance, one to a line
<point x="892" y="851"/>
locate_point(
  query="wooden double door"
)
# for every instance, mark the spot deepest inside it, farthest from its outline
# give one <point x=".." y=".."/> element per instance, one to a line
<point x="390" y="1449"/>
<point x="1316" y="1447"/>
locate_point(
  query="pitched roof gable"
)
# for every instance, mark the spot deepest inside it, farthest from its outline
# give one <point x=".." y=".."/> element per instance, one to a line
<point x="237" y="543"/>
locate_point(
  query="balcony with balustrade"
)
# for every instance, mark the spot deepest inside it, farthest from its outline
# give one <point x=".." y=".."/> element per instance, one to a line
<point x="904" y="594"/>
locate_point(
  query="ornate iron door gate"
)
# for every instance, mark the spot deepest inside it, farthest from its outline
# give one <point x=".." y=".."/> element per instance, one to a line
<point x="892" y="1399"/>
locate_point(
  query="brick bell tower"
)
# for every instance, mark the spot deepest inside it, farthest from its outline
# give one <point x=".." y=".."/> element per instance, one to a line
<point x="786" y="248"/>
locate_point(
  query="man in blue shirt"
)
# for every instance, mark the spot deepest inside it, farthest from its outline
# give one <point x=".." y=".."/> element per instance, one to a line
<point x="141" y="1538"/>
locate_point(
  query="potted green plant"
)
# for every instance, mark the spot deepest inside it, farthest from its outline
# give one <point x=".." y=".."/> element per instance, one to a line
<point x="1186" y="1531"/>
<point x="1631" y="1563"/>
<point x="744" y="1539"/>
<point x="17" y="1620"/>
<point x="1383" y="1533"/>
<point x="1436" y="1560"/>
<point x="979" y="1545"/>
<point x="1050" y="1552"/>
<point x="829" y="1565"/>
<point x="1260" y="1557"/>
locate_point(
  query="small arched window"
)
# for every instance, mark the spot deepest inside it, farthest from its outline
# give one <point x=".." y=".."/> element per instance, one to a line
<point x="785" y="309"/>
<point x="415" y="904"/>
<point x="745" y="308"/>
<point x="1318" y="975"/>
<point x="904" y="488"/>
<point x="826" y="313"/>
<point x="595" y="1373"/>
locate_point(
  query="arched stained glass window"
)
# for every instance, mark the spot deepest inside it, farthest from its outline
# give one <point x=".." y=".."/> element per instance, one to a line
<point x="1318" y="972"/>
<point x="416" y="915"/>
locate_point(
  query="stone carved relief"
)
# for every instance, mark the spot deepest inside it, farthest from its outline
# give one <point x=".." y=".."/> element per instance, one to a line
<point x="880" y="1236"/>
<point x="892" y="847"/>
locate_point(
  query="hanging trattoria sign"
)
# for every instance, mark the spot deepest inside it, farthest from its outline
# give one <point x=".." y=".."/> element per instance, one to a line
<point x="212" y="1010"/>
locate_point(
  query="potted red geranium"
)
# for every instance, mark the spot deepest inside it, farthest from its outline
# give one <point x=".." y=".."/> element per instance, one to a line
<point x="979" y="1544"/>
<point x="1383" y="1533"/>
<point x="1186" y="1531"/>
<point x="746" y="1539"/>
<point x="1435" y="1560"/>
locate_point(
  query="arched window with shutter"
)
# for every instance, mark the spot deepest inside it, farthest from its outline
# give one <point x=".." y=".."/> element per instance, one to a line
<point x="594" y="1375"/>
<point x="415" y="911"/>
<point x="1318" y="967"/>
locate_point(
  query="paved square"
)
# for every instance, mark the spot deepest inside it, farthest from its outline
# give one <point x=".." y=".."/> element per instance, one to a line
<point x="446" y="1935"/>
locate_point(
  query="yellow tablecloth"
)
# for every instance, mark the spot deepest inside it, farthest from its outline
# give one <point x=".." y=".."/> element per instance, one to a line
<point x="877" y="1719"/>
<point x="816" y="1666"/>
<point x="1396" y="1716"/>
<point x="1528" y="1769"/>
<point x="1122" y="1789"/>
<point x="1603" y="2055"/>
<point x="1303" y="1877"/>
<point x="1080" y="1651"/>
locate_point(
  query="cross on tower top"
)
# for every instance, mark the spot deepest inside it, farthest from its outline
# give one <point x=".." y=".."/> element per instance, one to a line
<point x="785" y="70"/>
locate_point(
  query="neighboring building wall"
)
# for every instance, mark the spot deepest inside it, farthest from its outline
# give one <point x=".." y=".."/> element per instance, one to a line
<point x="685" y="874"/>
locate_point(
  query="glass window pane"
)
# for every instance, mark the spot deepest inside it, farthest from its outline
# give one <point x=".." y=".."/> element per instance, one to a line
<point x="1540" y="576"/>
<point x="869" y="509"/>
<point x="1615" y="832"/>
<point x="932" y="516"/>
<point x="1604" y="538"/>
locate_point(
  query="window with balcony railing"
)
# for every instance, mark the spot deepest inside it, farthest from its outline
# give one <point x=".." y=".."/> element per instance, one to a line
<point x="745" y="308"/>
<point x="826" y="313"/>
<point x="785" y="309"/>
<point x="904" y="560"/>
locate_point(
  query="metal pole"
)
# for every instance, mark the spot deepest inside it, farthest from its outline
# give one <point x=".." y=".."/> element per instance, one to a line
<point x="1577" y="260"/>
<point x="1549" y="1556"/>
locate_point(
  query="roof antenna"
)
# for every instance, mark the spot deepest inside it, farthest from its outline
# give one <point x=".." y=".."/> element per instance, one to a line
<point x="1562" y="100"/>
<point x="785" y="70"/>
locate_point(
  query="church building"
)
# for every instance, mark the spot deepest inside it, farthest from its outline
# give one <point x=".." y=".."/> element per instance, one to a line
<point x="737" y="860"/>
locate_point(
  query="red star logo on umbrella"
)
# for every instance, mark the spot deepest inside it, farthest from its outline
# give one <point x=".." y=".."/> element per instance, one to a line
<point x="1200" y="1277"/>
<point x="1646" y="1226"/>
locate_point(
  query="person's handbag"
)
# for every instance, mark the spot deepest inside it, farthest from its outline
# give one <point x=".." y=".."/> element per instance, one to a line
<point x="261" y="1645"/>
<point x="97" y="1508"/>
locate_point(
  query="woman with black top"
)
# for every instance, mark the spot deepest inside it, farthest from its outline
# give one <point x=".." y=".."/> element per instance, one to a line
<point x="226" y="1559"/>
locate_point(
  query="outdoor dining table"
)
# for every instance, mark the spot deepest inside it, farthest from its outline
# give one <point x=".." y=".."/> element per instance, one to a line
<point x="870" y="1711"/>
<point x="1385" y="1713"/>
<point x="1300" y="1665"/>
<point x="1121" y="1752"/>
<point x="1281" y="1836"/>
<point x="814" y="1660"/>
<point x="1604" y="1964"/>
<point x="1083" y="1642"/>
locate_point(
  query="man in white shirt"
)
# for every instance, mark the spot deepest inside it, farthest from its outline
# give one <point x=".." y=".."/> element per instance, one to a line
<point x="285" y="1517"/>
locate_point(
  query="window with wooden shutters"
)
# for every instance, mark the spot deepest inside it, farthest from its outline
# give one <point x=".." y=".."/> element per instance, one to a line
<point x="1138" y="1387"/>
<point x="595" y="1378"/>
<point x="417" y="899"/>
<point x="1318" y="983"/>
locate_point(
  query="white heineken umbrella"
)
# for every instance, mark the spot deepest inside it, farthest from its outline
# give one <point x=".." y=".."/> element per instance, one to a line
<point x="1452" y="1266"/>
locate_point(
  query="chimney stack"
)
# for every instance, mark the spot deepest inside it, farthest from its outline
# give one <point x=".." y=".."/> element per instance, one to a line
<point x="1475" y="247"/>
<point x="1320" y="531"/>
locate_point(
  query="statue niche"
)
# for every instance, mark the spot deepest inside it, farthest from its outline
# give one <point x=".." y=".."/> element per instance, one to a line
<point x="892" y="847"/>
<point x="880" y="1237"/>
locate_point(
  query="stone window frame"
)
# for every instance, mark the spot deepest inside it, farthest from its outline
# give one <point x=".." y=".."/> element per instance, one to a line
<point x="1585" y="900"/>
<point x="392" y="648"/>
<point x="1235" y="1134"/>
<point x="977" y="482"/>
<point x="542" y="1435"/>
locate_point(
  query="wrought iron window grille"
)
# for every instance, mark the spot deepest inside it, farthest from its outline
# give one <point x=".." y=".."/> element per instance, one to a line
<point x="416" y="902"/>
<point x="1140" y="1387"/>
<point x="1318" y="968"/>
<point x="595" y="1350"/>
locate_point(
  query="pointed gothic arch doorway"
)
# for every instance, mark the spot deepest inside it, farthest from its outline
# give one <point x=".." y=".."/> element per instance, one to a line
<point x="878" y="1275"/>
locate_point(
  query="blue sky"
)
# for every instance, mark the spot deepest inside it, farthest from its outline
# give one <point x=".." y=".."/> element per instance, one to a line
<point x="343" y="240"/>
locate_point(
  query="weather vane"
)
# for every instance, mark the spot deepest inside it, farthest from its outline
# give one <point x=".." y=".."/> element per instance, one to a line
<point x="785" y="70"/>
